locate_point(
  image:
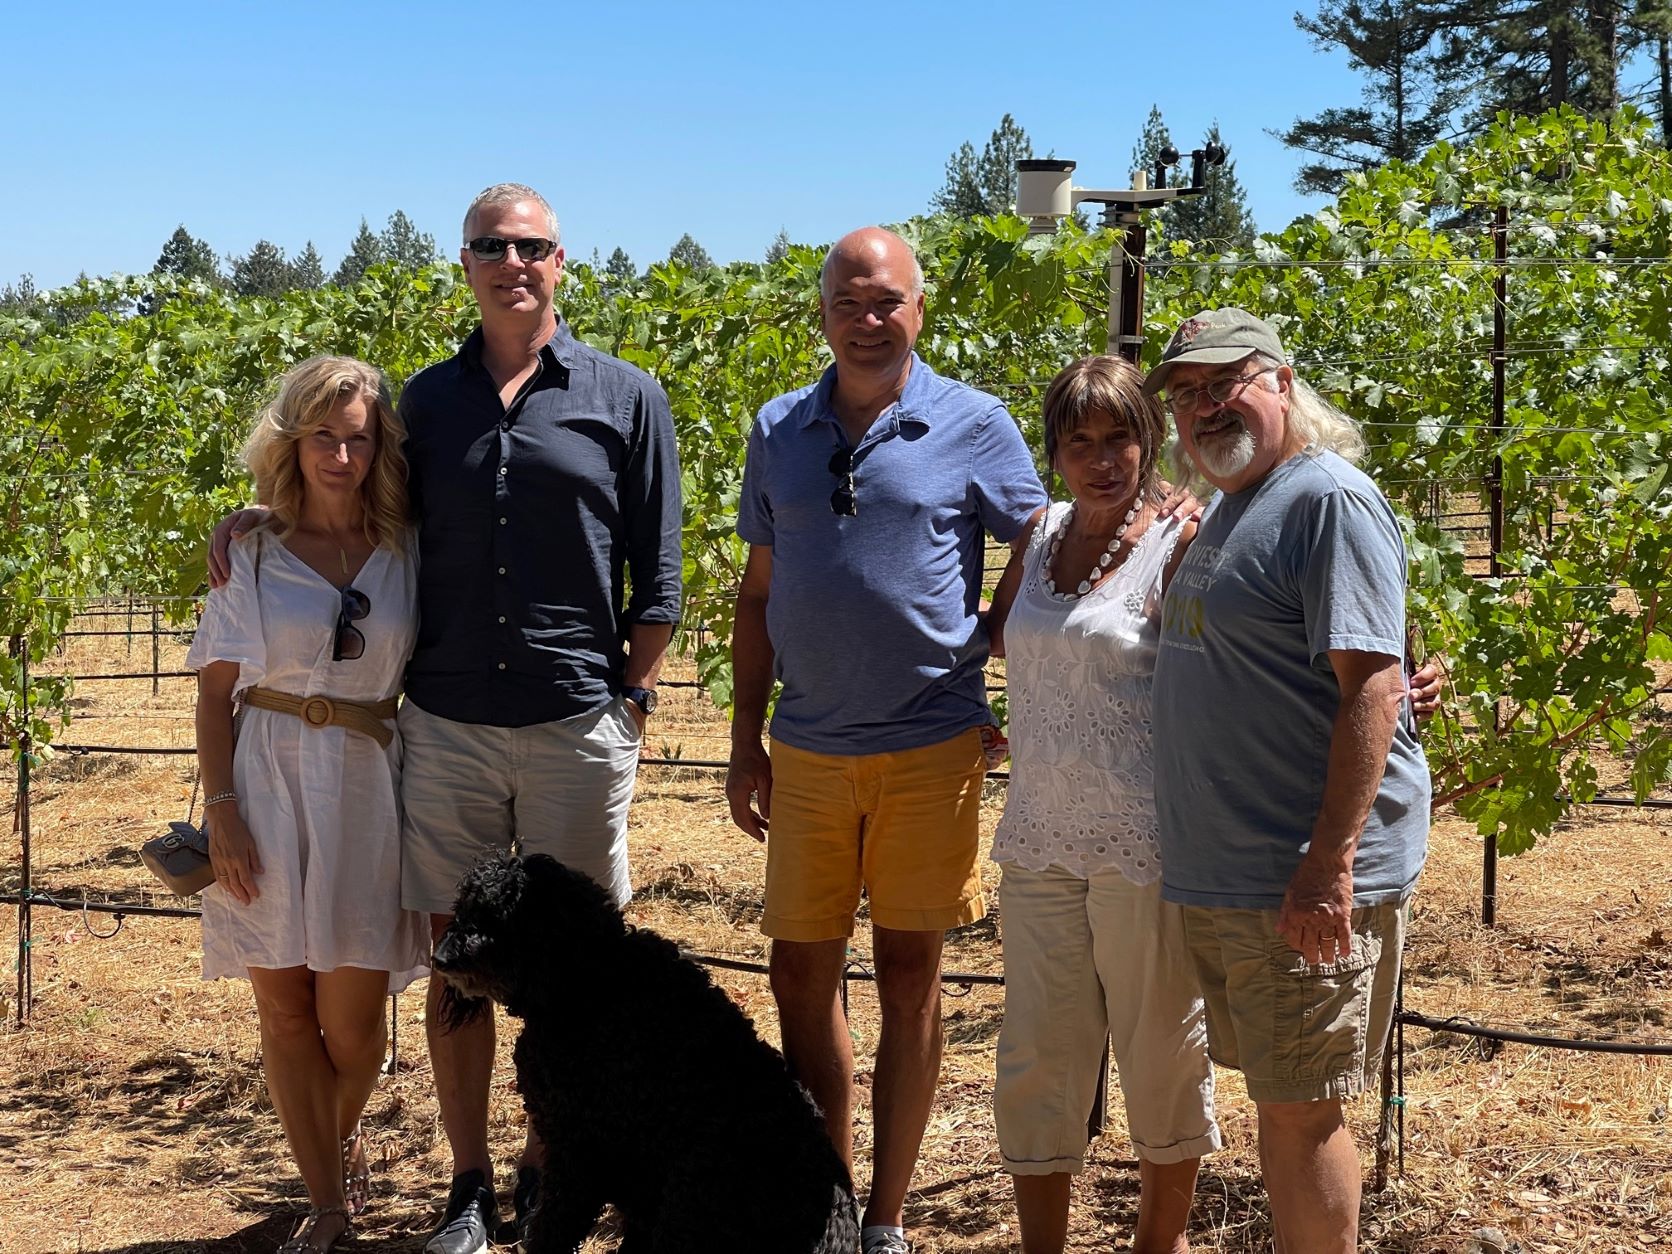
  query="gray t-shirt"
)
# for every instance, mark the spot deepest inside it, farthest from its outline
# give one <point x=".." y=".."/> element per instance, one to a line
<point x="1308" y="560"/>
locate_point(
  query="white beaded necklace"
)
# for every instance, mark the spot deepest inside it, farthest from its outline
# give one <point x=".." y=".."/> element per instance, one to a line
<point x="1104" y="559"/>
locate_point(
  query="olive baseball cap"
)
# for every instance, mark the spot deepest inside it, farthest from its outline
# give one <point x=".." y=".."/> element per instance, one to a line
<point x="1215" y="337"/>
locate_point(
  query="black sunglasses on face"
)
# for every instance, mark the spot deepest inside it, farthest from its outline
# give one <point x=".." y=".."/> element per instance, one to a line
<point x="350" y="644"/>
<point x="842" y="500"/>
<point x="492" y="248"/>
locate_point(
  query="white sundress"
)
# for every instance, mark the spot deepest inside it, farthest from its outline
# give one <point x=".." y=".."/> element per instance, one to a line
<point x="1079" y="673"/>
<point x="323" y="805"/>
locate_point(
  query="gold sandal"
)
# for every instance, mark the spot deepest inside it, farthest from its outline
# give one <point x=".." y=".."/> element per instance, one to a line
<point x="302" y="1239"/>
<point x="357" y="1173"/>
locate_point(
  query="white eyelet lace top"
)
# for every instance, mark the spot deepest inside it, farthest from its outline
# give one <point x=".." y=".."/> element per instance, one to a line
<point x="1079" y="674"/>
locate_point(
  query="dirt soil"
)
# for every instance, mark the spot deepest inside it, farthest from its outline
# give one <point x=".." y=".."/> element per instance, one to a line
<point x="133" y="1118"/>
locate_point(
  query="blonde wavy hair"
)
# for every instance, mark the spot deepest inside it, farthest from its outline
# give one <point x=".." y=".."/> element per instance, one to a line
<point x="306" y="395"/>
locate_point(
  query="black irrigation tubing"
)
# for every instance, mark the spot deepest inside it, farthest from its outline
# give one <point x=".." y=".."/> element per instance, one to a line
<point x="1468" y="1027"/>
<point x="161" y="631"/>
<point x="1455" y="1024"/>
<point x="140" y="675"/>
<point x="121" y="909"/>
<point x="118" y="908"/>
<point x="854" y="972"/>
<point x="121" y="749"/>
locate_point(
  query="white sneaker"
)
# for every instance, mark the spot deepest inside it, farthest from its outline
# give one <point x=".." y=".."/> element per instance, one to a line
<point x="874" y="1242"/>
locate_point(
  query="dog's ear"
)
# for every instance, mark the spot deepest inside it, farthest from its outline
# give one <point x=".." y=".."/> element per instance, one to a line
<point x="455" y="1009"/>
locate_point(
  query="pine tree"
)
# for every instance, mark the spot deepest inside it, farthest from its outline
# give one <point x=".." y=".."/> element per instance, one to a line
<point x="984" y="184"/>
<point x="1416" y="56"/>
<point x="21" y="298"/>
<point x="1147" y="151"/>
<point x="184" y="257"/>
<point x="1650" y="31"/>
<point x="1445" y="68"/>
<point x="187" y="257"/>
<point x="365" y="252"/>
<point x="961" y="195"/>
<point x="779" y="248"/>
<point x="263" y="271"/>
<point x="307" y="272"/>
<point x="402" y="242"/>
<point x="690" y="254"/>
<point x="1218" y="217"/>
<point x="619" y="271"/>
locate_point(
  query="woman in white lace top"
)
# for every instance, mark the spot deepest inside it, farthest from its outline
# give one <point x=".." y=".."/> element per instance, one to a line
<point x="1089" y="946"/>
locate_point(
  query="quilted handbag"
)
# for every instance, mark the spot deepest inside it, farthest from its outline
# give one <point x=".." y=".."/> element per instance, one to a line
<point x="180" y="859"/>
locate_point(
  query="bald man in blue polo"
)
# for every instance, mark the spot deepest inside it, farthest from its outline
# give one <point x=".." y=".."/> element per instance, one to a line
<point x="867" y="498"/>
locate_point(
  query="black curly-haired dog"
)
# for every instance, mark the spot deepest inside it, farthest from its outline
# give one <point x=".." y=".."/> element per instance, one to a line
<point x="648" y="1086"/>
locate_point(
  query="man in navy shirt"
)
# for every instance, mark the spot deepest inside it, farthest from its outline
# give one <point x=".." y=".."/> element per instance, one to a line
<point x="866" y="501"/>
<point x="546" y="483"/>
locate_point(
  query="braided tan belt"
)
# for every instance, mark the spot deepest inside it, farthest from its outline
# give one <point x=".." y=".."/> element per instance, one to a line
<point x="366" y="717"/>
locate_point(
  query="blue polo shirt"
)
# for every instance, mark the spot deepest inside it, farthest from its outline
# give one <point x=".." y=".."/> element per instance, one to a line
<point x="873" y="617"/>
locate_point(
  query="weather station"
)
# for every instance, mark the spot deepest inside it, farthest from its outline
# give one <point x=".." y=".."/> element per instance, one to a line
<point x="1045" y="195"/>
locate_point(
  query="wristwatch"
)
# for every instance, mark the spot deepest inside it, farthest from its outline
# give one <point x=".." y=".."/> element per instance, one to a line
<point x="644" y="698"/>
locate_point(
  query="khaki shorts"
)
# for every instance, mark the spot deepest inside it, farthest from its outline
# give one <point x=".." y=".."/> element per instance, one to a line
<point x="1087" y="960"/>
<point x="1298" y="1033"/>
<point x="902" y="827"/>
<point x="468" y="789"/>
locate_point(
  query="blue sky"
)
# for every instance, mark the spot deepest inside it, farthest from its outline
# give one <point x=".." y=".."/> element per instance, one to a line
<point x="639" y="121"/>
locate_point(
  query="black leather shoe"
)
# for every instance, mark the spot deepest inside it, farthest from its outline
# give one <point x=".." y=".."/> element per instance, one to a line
<point x="525" y="1200"/>
<point x="472" y="1217"/>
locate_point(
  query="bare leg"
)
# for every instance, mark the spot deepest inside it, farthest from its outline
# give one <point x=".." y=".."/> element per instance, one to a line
<point x="1164" y="1196"/>
<point x="300" y="1080"/>
<point x="462" y="1063"/>
<point x="908" y="1063"/>
<point x="1042" y="1211"/>
<point x="350" y="1005"/>
<point x="807" y="985"/>
<point x="1312" y="1176"/>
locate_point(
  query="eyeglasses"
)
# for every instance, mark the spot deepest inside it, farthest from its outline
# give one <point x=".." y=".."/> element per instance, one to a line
<point x="1219" y="391"/>
<point x="350" y="644"/>
<point x="492" y="248"/>
<point x="842" y="500"/>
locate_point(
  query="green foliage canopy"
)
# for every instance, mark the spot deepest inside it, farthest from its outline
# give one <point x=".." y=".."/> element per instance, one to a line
<point x="118" y="433"/>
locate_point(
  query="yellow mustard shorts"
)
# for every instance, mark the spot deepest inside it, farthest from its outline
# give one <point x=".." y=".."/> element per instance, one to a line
<point x="901" y="827"/>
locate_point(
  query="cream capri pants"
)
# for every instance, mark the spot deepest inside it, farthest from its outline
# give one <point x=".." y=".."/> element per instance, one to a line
<point x="1084" y="958"/>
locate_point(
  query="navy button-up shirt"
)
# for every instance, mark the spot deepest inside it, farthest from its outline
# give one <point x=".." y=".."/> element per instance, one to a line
<point x="533" y="522"/>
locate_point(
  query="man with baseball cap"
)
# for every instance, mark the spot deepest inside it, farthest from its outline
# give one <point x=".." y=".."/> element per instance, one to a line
<point x="1293" y="827"/>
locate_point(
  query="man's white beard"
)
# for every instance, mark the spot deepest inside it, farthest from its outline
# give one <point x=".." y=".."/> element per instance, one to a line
<point x="1226" y="456"/>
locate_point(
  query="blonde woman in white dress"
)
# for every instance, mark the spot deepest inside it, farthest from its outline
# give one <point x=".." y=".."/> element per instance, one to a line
<point x="312" y="633"/>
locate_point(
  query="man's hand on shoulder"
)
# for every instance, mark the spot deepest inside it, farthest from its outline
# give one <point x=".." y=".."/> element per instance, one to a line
<point x="234" y="526"/>
<point x="749" y="779"/>
<point x="1316" y="918"/>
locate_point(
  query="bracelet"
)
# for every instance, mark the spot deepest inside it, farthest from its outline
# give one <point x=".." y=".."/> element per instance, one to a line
<point x="218" y="798"/>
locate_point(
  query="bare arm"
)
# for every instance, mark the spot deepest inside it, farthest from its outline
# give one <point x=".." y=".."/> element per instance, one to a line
<point x="231" y="848"/>
<point x="1004" y="596"/>
<point x="1316" y="915"/>
<point x="750" y="772"/>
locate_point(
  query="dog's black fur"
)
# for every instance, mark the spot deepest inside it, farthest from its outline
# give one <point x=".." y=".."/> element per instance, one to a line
<point x="648" y="1086"/>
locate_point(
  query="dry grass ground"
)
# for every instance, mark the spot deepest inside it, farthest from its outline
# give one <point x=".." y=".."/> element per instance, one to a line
<point x="133" y="1119"/>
